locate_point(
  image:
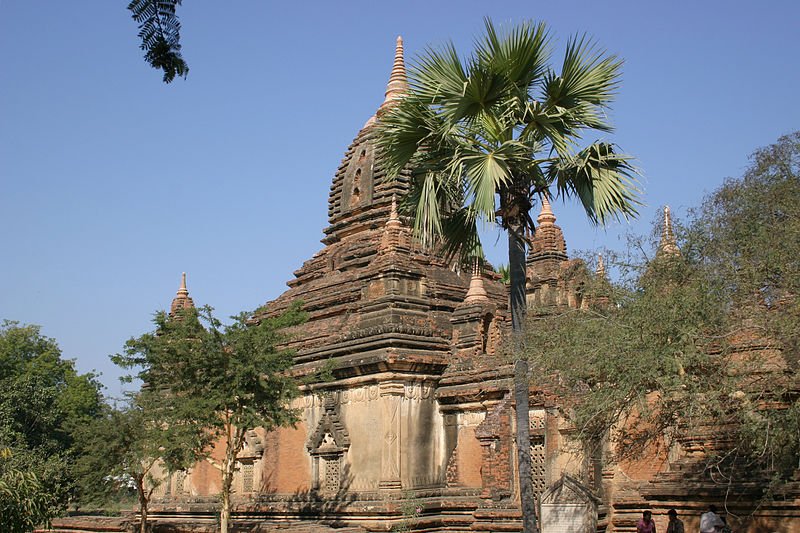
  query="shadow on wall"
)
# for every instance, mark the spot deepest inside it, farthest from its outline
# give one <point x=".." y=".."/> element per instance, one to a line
<point x="316" y="503"/>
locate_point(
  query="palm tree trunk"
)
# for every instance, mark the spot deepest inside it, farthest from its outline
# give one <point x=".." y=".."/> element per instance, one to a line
<point x="516" y="269"/>
<point x="516" y="266"/>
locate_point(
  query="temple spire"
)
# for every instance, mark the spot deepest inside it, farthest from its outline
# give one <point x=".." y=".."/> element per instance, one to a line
<point x="602" y="293"/>
<point x="668" y="244"/>
<point x="183" y="291"/>
<point x="394" y="218"/>
<point x="397" y="86"/>
<point x="546" y="216"/>
<point x="476" y="292"/>
<point x="600" y="271"/>
<point x="394" y="236"/>
<point x="182" y="299"/>
<point x="548" y="239"/>
<point x="398" y="83"/>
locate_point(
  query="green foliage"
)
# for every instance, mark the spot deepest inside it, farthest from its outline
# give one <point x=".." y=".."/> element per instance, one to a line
<point x="503" y="125"/>
<point x="159" y="30"/>
<point x="121" y="448"/>
<point x="411" y="509"/>
<point x="31" y="427"/>
<point x="43" y="404"/>
<point x="505" y="274"/>
<point x="748" y="232"/>
<point x="25" y="502"/>
<point x="207" y="384"/>
<point x="705" y="341"/>
<point x="655" y="335"/>
<point x="217" y="369"/>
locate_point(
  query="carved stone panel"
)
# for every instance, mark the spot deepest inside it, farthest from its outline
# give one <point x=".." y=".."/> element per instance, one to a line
<point x="327" y="446"/>
<point x="391" y="397"/>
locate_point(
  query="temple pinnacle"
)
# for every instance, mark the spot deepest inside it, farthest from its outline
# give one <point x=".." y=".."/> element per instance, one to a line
<point x="476" y="292"/>
<point x="601" y="267"/>
<point x="546" y="216"/>
<point x="668" y="244"/>
<point x="393" y="213"/>
<point x="394" y="219"/>
<point x="182" y="299"/>
<point x="183" y="291"/>
<point x="398" y="83"/>
<point x="394" y="235"/>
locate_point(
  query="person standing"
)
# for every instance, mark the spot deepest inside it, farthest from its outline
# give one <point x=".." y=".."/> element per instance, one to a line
<point x="675" y="524"/>
<point x="710" y="522"/>
<point x="646" y="524"/>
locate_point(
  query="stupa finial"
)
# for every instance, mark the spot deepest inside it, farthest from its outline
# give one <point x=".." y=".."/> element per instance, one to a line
<point x="183" y="291"/>
<point x="398" y="83"/>
<point x="182" y="299"/>
<point x="476" y="292"/>
<point x="668" y="244"/>
<point x="546" y="216"/>
<point x="601" y="267"/>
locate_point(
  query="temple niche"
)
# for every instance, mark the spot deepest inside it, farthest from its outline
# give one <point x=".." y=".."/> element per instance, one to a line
<point x="420" y="407"/>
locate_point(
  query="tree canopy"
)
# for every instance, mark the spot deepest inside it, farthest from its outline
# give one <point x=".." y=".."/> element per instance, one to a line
<point x="125" y="446"/>
<point x="24" y="501"/>
<point x="484" y="135"/>
<point x="44" y="402"/>
<point x="208" y="384"/>
<point x="701" y="339"/>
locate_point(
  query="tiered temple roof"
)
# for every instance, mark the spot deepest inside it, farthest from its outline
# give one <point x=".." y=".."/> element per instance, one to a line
<point x="376" y="300"/>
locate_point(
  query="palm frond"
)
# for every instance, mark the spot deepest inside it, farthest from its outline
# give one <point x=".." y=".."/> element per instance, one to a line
<point x="540" y="124"/>
<point x="473" y="134"/>
<point x="402" y="130"/>
<point x="483" y="90"/>
<point x="589" y="74"/>
<point x="520" y="56"/>
<point x="604" y="181"/>
<point x="424" y="200"/>
<point x="485" y="174"/>
<point x="586" y="86"/>
<point x="460" y="236"/>
<point x="437" y="76"/>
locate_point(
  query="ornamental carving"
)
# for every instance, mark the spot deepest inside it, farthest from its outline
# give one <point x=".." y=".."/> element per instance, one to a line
<point x="330" y="435"/>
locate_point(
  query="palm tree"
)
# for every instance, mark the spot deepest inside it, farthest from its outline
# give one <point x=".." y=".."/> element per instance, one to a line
<point x="485" y="137"/>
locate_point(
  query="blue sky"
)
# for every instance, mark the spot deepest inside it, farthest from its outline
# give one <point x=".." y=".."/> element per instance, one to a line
<point x="112" y="183"/>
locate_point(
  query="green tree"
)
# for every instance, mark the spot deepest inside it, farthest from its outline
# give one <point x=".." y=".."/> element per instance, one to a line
<point x="505" y="275"/>
<point x="43" y="403"/>
<point x="748" y="232"/>
<point x="655" y="333"/>
<point x="485" y="136"/>
<point x="701" y="340"/>
<point x="24" y="502"/>
<point x="159" y="30"/>
<point x="215" y="382"/>
<point x="127" y="444"/>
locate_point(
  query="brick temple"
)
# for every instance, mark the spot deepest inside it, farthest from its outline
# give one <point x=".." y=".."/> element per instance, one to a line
<point x="420" y="413"/>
